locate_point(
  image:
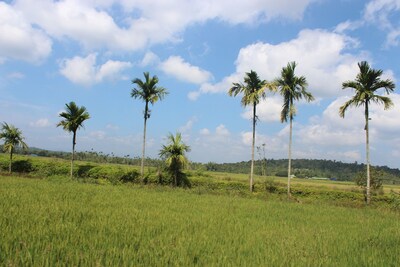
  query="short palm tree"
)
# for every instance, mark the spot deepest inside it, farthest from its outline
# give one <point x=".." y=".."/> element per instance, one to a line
<point x="253" y="91"/>
<point x="366" y="84"/>
<point x="149" y="92"/>
<point x="73" y="118"/>
<point x="292" y="88"/>
<point x="174" y="155"/>
<point x="12" y="139"/>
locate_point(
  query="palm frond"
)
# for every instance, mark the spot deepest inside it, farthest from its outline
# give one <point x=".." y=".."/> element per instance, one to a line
<point x="292" y="88"/>
<point x="253" y="89"/>
<point x="367" y="82"/>
<point x="12" y="137"/>
<point x="147" y="90"/>
<point x="73" y="117"/>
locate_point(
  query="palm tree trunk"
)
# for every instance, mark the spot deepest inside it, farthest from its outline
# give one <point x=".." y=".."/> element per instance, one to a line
<point x="367" y="153"/>
<point x="290" y="158"/>
<point x="252" y="149"/>
<point x="176" y="178"/>
<point x="10" y="166"/>
<point x="73" y="154"/>
<point x="144" y="139"/>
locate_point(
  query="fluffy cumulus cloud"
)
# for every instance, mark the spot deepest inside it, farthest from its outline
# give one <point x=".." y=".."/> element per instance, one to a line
<point x="268" y="110"/>
<point x="334" y="137"/>
<point x="18" y="39"/>
<point x="84" y="71"/>
<point x="93" y="24"/>
<point x="149" y="59"/>
<point x="321" y="56"/>
<point x="218" y="145"/>
<point x="385" y="14"/>
<point x="182" y="70"/>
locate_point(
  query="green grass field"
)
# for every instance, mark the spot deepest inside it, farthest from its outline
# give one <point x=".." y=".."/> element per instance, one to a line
<point x="58" y="222"/>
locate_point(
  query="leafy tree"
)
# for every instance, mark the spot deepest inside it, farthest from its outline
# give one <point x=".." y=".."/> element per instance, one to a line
<point x="149" y="92"/>
<point x="292" y="88"/>
<point x="367" y="83"/>
<point x="253" y="91"/>
<point x="12" y="139"/>
<point x="376" y="179"/>
<point x="175" y="159"/>
<point x="73" y="118"/>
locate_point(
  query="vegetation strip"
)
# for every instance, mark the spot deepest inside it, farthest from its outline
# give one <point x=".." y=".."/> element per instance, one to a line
<point x="61" y="222"/>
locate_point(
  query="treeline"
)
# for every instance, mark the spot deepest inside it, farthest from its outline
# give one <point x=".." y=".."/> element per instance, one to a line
<point x="306" y="168"/>
<point x="302" y="168"/>
<point x="91" y="156"/>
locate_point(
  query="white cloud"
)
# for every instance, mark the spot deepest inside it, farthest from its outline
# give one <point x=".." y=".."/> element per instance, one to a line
<point x="320" y="54"/>
<point x="221" y="130"/>
<point x="274" y="145"/>
<point x="149" y="59"/>
<point x="15" y="75"/>
<point x="84" y="71"/>
<point x="268" y="110"/>
<point x="92" y="24"/>
<point x="335" y="136"/>
<point x="384" y="13"/>
<point x="112" y="127"/>
<point x="205" y="131"/>
<point x="40" y="123"/>
<point x="182" y="70"/>
<point x="99" y="135"/>
<point x="220" y="87"/>
<point x="348" y="25"/>
<point x="188" y="126"/>
<point x="218" y="145"/>
<point x="19" y="40"/>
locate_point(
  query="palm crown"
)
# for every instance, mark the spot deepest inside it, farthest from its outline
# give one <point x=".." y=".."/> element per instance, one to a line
<point x="148" y="91"/>
<point x="253" y="89"/>
<point x="74" y="117"/>
<point x="174" y="151"/>
<point x="12" y="138"/>
<point x="366" y="84"/>
<point x="292" y="88"/>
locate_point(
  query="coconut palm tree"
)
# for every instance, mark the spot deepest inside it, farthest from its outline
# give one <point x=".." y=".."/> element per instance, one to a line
<point x="292" y="88"/>
<point x="12" y="139"/>
<point x="73" y="118"/>
<point x="253" y="91"/>
<point x="174" y="154"/>
<point x="366" y="84"/>
<point x="149" y="92"/>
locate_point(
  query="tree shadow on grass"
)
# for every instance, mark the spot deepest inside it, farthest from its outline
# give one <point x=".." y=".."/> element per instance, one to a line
<point x="83" y="170"/>
<point x="22" y="166"/>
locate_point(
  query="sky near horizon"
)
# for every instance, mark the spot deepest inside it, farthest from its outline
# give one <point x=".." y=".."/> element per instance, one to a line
<point x="54" y="52"/>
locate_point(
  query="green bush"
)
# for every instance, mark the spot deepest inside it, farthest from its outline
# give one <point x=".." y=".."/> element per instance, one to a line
<point x="114" y="174"/>
<point x="271" y="186"/>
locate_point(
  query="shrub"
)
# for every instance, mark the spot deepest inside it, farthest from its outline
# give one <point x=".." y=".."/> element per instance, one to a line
<point x="376" y="177"/>
<point x="270" y="185"/>
<point x="395" y="201"/>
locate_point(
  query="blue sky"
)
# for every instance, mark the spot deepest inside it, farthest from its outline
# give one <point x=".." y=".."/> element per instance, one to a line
<point x="54" y="52"/>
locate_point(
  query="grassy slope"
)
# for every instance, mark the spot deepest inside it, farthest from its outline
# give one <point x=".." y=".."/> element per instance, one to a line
<point x="58" y="222"/>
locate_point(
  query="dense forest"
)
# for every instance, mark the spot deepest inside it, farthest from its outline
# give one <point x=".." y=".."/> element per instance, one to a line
<point x="301" y="168"/>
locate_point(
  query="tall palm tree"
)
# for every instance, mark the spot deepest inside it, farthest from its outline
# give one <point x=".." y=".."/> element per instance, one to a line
<point x="73" y="118"/>
<point x="366" y="84"/>
<point x="12" y="139"/>
<point x="174" y="154"/>
<point x="292" y="88"/>
<point x="253" y="91"/>
<point x="149" y="92"/>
